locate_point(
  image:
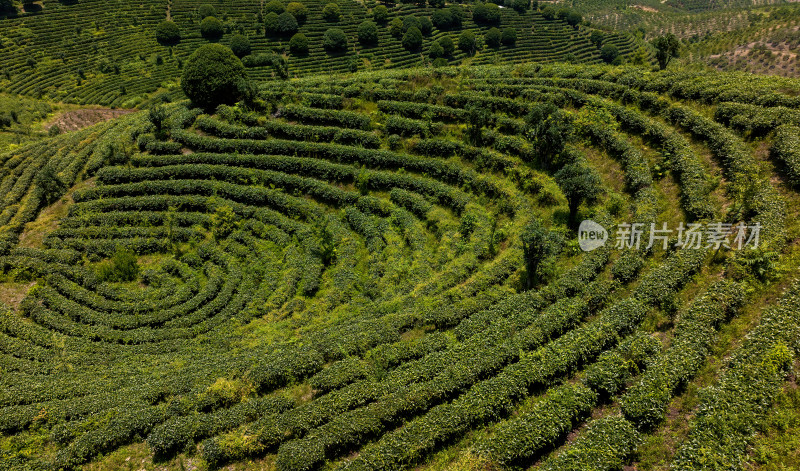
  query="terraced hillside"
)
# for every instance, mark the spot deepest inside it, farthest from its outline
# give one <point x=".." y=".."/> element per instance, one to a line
<point x="105" y="52"/>
<point x="353" y="275"/>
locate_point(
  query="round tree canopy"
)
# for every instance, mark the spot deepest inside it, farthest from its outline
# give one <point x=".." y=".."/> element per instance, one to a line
<point x="298" y="44"/>
<point x="167" y="33"/>
<point x="211" y="28"/>
<point x="334" y="40"/>
<point x="240" y="45"/>
<point x="212" y="75"/>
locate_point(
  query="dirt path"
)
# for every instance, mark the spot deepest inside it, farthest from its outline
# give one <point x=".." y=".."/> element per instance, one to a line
<point x="169" y="10"/>
<point x="79" y="119"/>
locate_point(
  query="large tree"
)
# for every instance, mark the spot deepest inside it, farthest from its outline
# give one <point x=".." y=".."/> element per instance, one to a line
<point x="667" y="47"/>
<point x="368" y="33"/>
<point x="549" y="129"/>
<point x="212" y="76"/>
<point x="538" y="243"/>
<point x="334" y="40"/>
<point x="580" y="183"/>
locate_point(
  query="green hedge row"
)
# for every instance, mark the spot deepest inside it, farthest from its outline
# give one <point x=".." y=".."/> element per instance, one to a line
<point x="492" y="398"/>
<point x="645" y="403"/>
<point x="322" y="116"/>
<point x="732" y="409"/>
<point x="607" y="445"/>
<point x="478" y="357"/>
<point x="178" y="433"/>
<point x="757" y="120"/>
<point x="375" y="159"/>
<point x="786" y="149"/>
<point x="274" y="128"/>
<point x="531" y="433"/>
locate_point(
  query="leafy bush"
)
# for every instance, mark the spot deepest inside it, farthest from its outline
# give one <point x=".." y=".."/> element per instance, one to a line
<point x="509" y="36"/>
<point x="609" y="53"/>
<point x="240" y="45"/>
<point x="286" y="24"/>
<point x="212" y="75"/>
<point x="211" y="28"/>
<point x="122" y="267"/>
<point x="368" y="33"/>
<point x="168" y="33"/>
<point x="206" y="10"/>
<point x="786" y="149"/>
<point x="334" y="40"/>
<point x="493" y="37"/>
<point x="298" y="10"/>
<point x="486" y="13"/>
<point x="435" y="51"/>
<point x="380" y="14"/>
<point x="412" y="39"/>
<point x="467" y="42"/>
<point x="331" y="12"/>
<point x="299" y="44"/>
<point x="275" y="6"/>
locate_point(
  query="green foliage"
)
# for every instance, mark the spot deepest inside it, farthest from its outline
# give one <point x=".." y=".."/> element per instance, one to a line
<point x="168" y="33"/>
<point x="205" y="10"/>
<point x="493" y="37"/>
<point x="122" y="267"/>
<point x="548" y="128"/>
<point x="299" y="44"/>
<point x="223" y="222"/>
<point x="335" y="40"/>
<point x="580" y="183"/>
<point x="274" y="6"/>
<point x="447" y="45"/>
<point x="412" y="39"/>
<point x="786" y="149"/>
<point x="298" y="10"/>
<point x="211" y="75"/>
<point x="538" y="243"/>
<point x="271" y="23"/>
<point x="509" y="36"/>
<point x="597" y="37"/>
<point x="368" y="33"/>
<point x="380" y="14"/>
<point x="448" y="18"/>
<point x="240" y="45"/>
<point x="51" y="185"/>
<point x="331" y="12"/>
<point x="520" y="6"/>
<point x="467" y="42"/>
<point x="435" y="51"/>
<point x="486" y="13"/>
<point x="627" y="267"/>
<point x="425" y="25"/>
<point x="396" y="27"/>
<point x="609" y="53"/>
<point x="667" y="47"/>
<point x="285" y="24"/>
<point x="211" y="28"/>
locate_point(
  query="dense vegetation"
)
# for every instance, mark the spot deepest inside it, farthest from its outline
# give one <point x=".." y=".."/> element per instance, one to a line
<point x="386" y="264"/>
<point x="343" y="235"/>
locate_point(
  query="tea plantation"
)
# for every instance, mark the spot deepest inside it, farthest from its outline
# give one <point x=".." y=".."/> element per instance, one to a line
<point x="381" y="272"/>
<point x="348" y="236"/>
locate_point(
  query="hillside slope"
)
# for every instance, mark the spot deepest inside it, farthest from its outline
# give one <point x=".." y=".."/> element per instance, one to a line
<point x="337" y="279"/>
<point x="105" y="52"/>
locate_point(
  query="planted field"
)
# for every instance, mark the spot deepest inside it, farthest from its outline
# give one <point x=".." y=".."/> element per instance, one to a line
<point x="347" y="275"/>
<point x="106" y="53"/>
